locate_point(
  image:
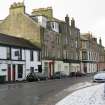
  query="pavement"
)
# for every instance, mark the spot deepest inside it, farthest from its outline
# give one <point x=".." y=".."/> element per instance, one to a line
<point x="92" y="95"/>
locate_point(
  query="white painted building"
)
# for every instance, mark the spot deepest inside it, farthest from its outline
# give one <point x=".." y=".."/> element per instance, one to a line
<point x="50" y="67"/>
<point x="62" y="67"/>
<point x="18" y="57"/>
<point x="41" y="20"/>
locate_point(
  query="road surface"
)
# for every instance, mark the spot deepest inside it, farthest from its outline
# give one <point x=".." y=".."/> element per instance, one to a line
<point x="37" y="93"/>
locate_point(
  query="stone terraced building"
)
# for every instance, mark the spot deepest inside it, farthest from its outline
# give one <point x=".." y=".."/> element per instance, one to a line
<point x="59" y="40"/>
<point x="92" y="54"/>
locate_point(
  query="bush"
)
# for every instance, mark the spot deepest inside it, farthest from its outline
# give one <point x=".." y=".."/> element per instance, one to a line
<point x="31" y="77"/>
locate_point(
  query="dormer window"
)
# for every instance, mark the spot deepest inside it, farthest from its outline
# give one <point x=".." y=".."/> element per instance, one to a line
<point x="52" y="25"/>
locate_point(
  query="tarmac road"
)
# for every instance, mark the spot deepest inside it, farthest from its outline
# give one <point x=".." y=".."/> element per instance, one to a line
<point x="37" y="93"/>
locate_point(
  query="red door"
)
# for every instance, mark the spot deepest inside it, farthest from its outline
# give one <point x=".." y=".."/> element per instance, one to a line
<point x="49" y="76"/>
<point x="13" y="72"/>
<point x="9" y="72"/>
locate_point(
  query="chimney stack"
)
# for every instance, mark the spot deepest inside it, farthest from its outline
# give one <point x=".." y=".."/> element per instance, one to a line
<point x="17" y="8"/>
<point x="72" y="22"/>
<point x="67" y="19"/>
<point x="100" y="41"/>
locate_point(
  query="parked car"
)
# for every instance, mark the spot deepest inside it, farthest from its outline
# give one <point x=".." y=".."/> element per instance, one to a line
<point x="59" y="75"/>
<point x="32" y="77"/>
<point x="41" y="76"/>
<point x="36" y="77"/>
<point x="77" y="74"/>
<point x="99" y="77"/>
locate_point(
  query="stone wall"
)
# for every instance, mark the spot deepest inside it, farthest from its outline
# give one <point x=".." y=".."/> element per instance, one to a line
<point x="20" y="24"/>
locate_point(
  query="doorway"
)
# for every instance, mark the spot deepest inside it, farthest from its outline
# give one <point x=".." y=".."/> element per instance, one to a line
<point x="9" y="72"/>
<point x="20" y="70"/>
<point x="13" y="72"/>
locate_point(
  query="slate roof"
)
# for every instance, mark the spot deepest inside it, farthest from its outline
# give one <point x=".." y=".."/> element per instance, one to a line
<point x="7" y="40"/>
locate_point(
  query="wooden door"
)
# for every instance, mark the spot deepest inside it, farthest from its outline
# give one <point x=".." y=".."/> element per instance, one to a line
<point x="9" y="72"/>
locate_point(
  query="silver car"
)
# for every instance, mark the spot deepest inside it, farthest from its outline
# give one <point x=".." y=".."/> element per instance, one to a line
<point x="99" y="77"/>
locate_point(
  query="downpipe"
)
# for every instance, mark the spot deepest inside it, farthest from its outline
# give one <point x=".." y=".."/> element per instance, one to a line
<point x="104" y="89"/>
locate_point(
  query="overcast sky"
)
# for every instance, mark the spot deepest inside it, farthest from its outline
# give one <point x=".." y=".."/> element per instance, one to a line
<point x="88" y="14"/>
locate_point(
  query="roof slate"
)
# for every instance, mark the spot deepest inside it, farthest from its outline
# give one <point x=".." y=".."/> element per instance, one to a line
<point x="8" y="40"/>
